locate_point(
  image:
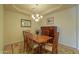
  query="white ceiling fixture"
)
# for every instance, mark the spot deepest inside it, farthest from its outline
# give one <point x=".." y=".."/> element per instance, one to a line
<point x="35" y="14"/>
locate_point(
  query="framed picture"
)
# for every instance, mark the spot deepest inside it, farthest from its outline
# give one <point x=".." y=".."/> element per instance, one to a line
<point x="25" y="23"/>
<point x="50" y="20"/>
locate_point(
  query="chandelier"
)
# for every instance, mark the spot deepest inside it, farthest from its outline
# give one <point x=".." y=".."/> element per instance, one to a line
<point x="36" y="16"/>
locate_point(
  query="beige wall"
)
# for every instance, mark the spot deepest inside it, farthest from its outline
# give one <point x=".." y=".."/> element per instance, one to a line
<point x="77" y="26"/>
<point x="1" y="28"/>
<point x="12" y="27"/>
<point x="65" y="20"/>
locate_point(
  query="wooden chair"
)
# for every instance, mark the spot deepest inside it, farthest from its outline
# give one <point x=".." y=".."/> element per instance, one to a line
<point x="52" y="47"/>
<point x="29" y="45"/>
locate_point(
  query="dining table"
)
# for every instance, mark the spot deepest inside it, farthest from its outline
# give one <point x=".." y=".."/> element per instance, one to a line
<point x="41" y="40"/>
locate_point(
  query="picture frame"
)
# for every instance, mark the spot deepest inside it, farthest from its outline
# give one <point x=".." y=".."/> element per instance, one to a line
<point x="25" y="23"/>
<point x="50" y="20"/>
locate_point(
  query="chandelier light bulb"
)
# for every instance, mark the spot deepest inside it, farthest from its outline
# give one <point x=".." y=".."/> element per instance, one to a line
<point x="37" y="15"/>
<point x="41" y="16"/>
<point x="33" y="17"/>
<point x="36" y="20"/>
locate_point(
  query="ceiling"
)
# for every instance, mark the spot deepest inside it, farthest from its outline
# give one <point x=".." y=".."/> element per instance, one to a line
<point x="36" y="8"/>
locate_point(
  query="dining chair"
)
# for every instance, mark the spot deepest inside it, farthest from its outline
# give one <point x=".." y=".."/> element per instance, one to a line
<point x="52" y="47"/>
<point x="29" y="44"/>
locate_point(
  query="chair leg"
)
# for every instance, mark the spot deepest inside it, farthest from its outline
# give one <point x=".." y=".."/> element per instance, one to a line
<point x="24" y="48"/>
<point x="55" y="49"/>
<point x="12" y="48"/>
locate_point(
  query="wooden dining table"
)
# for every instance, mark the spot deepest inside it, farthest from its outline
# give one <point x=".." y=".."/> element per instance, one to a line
<point x="41" y="40"/>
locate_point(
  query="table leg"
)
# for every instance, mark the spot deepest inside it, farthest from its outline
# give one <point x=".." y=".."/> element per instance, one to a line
<point x="41" y="48"/>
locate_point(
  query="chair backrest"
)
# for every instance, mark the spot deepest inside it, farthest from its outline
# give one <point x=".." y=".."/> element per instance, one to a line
<point x="56" y="37"/>
<point x="27" y="40"/>
<point x="55" y="43"/>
